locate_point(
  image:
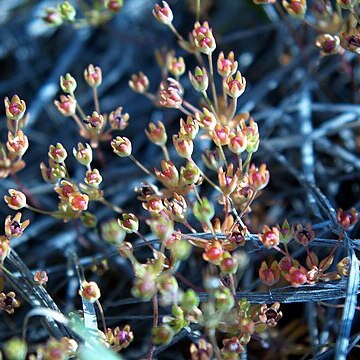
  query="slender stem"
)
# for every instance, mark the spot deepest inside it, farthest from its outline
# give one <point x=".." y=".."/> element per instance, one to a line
<point x="111" y="206"/>
<point x="96" y="100"/>
<point x="166" y="153"/>
<point x="187" y="282"/>
<point x="247" y="163"/>
<point x="78" y="122"/>
<point x="232" y="288"/>
<point x="78" y="107"/>
<point x="101" y="314"/>
<point x="172" y="28"/>
<point x="191" y="107"/>
<point x="208" y="101"/>
<point x="356" y="15"/>
<point x="212" y="81"/>
<point x="197" y="194"/>
<point x="150" y="96"/>
<point x="222" y="155"/>
<point x="232" y="109"/>
<point x="6" y="271"/>
<point x="181" y="108"/>
<point x="142" y="237"/>
<point x="186" y="223"/>
<point x="155" y="323"/>
<point x="198" y="9"/>
<point x="224" y="94"/>
<point x="280" y="250"/>
<point x="211" y="334"/>
<point x="39" y="210"/>
<point x="142" y="167"/>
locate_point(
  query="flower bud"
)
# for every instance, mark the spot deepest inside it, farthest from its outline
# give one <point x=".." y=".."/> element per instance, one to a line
<point x="296" y="276"/>
<point x="153" y="204"/>
<point x="176" y="208"/>
<point x="270" y="237"/>
<point x="258" y="177"/>
<point x="68" y="84"/>
<point x="15" y="349"/>
<point x="206" y="119"/>
<point x="350" y="40"/>
<point x="269" y="276"/>
<point x="181" y="250"/>
<point x="4" y="248"/>
<point x="114" y="5"/>
<point x="17" y="145"/>
<point x="144" y="288"/>
<point x="220" y="135"/>
<point x="16" y="200"/>
<point x="184" y="147"/>
<point x="161" y="226"/>
<point x="67" y="11"/>
<point x="188" y="129"/>
<point x="112" y="232"/>
<point x="346" y="219"/>
<point x="286" y="232"/>
<point x="15" y="109"/>
<point x="41" y="277"/>
<point x="52" y="174"/>
<point x="199" y="80"/>
<point x="162" y="334"/>
<point x="211" y="159"/>
<point x="57" y="153"/>
<point x="328" y="44"/>
<point x="235" y="87"/>
<point x="228" y="180"/>
<point x="163" y="14"/>
<point x="83" y="154"/>
<point x="118" y="120"/>
<point x="139" y="83"/>
<point x="304" y="236"/>
<point x="342" y="266"/>
<point x="95" y="122"/>
<point x="93" y="76"/>
<point x="14" y="228"/>
<point x="52" y="17"/>
<point x="213" y="252"/>
<point x="169" y="175"/>
<point x="229" y="264"/>
<point x="157" y="135"/>
<point x="203" y="38"/>
<point x="88" y="219"/>
<point x="252" y="135"/>
<point x="224" y="300"/>
<point x="204" y="210"/>
<point x="89" y="291"/>
<point x="176" y="66"/>
<point x="202" y="351"/>
<point x="129" y="223"/>
<point x="78" y="201"/>
<point x="226" y="67"/>
<point x="190" y="174"/>
<point x="93" y="178"/>
<point x="190" y="300"/>
<point x="66" y="105"/>
<point x="295" y="8"/>
<point x="65" y="189"/>
<point x="121" y="146"/>
<point x="345" y="4"/>
<point x="170" y="97"/>
<point x="237" y="142"/>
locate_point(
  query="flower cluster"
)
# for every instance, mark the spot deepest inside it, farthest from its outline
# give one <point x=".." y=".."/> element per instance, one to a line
<point x="66" y="13"/>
